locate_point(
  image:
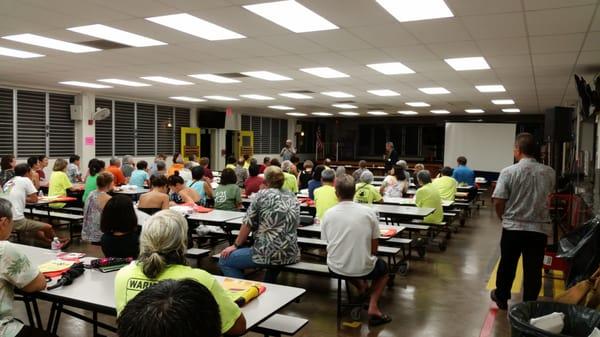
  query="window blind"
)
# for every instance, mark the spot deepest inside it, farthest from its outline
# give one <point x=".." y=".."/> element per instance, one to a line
<point x="146" y="123"/>
<point x="62" y="128"/>
<point x="6" y="121"/>
<point x="124" y="128"/>
<point x="31" y="123"/>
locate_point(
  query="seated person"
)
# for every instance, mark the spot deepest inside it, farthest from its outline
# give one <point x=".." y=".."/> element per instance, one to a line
<point x="19" y="190"/>
<point x="7" y="164"/>
<point x="362" y="167"/>
<point x="266" y="163"/>
<point x="365" y="192"/>
<point x="119" y="225"/>
<point x="162" y="257"/>
<point x="157" y="198"/>
<point x="254" y="183"/>
<point x="34" y="163"/>
<point x="180" y="192"/>
<point x="161" y="169"/>
<point x="445" y="184"/>
<point x="230" y="162"/>
<point x="418" y="168"/>
<point x="59" y="182"/>
<point x="201" y="185"/>
<point x="140" y="176"/>
<point x="92" y="210"/>
<point x="273" y="216"/>
<point x="315" y="182"/>
<point x="290" y="182"/>
<point x="396" y="184"/>
<point x="73" y="170"/>
<point x="352" y="232"/>
<point x="127" y="166"/>
<point x="177" y="164"/>
<point x="428" y="196"/>
<point x="16" y="271"/>
<point x="115" y="169"/>
<point x="462" y="173"/>
<point x="164" y="306"/>
<point x="305" y="175"/>
<point x="95" y="166"/>
<point x="241" y="172"/>
<point x="275" y="162"/>
<point x="228" y="196"/>
<point x="204" y="161"/>
<point x="186" y="172"/>
<point x="325" y="197"/>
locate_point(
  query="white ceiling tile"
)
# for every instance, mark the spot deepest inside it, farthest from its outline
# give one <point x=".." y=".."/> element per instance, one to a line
<point x="411" y="53"/>
<point x="337" y="40"/>
<point x="591" y="41"/>
<point x="596" y="24"/>
<point x="293" y="43"/>
<point x="480" y="7"/>
<point x="441" y="30"/>
<point x="455" y="49"/>
<point x="495" y="26"/>
<point x="502" y="47"/>
<point x="559" y="21"/>
<point x="390" y="35"/>
<point x="562" y="59"/>
<point x="589" y="59"/>
<point x="508" y="61"/>
<point x="556" y="43"/>
<point x="531" y="5"/>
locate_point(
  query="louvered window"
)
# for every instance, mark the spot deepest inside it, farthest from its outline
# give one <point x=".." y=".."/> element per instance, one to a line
<point x="275" y="136"/>
<point x="104" y="130"/>
<point x="62" y="128"/>
<point x="182" y="120"/>
<point x="269" y="133"/>
<point x="246" y="123"/>
<point x="124" y="128"/>
<point x="31" y="123"/>
<point x="255" y="126"/>
<point x="146" y="128"/>
<point x="164" y="125"/>
<point x="6" y="121"/>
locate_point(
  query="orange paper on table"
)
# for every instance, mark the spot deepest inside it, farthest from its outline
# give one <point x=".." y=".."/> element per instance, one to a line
<point x="55" y="267"/>
<point x="389" y="232"/>
<point x="202" y="209"/>
<point x="243" y="291"/>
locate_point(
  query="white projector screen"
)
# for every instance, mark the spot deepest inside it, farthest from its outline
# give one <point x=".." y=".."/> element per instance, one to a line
<point x="488" y="147"/>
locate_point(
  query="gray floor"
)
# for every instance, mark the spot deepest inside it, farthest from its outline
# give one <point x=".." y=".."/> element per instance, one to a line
<point x="443" y="295"/>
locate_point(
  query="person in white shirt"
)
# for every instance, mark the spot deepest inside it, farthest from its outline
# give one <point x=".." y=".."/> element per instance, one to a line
<point x="19" y="191"/>
<point x="351" y="231"/>
<point x="16" y="271"/>
<point x="73" y="170"/>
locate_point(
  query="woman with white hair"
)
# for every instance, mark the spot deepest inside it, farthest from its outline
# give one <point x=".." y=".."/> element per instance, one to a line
<point x="365" y="192"/>
<point x="163" y="244"/>
<point x="288" y="151"/>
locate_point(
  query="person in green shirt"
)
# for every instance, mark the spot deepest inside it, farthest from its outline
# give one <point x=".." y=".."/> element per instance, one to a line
<point x="429" y="197"/>
<point x="230" y="162"/>
<point x="228" y="196"/>
<point x="163" y="244"/>
<point x="290" y="183"/>
<point x="95" y="166"/>
<point x="365" y="192"/>
<point x="325" y="196"/>
<point x="445" y="184"/>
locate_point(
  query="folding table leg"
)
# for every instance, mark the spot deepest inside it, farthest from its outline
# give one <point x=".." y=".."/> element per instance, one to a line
<point x="57" y="318"/>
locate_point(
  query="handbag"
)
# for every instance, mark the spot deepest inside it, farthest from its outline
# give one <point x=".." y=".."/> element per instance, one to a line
<point x="585" y="293"/>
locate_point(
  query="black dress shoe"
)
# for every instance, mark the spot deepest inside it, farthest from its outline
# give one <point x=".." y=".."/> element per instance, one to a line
<point x="502" y="304"/>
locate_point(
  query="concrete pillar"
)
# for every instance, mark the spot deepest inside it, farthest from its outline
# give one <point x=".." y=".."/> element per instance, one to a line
<point x="218" y="141"/>
<point x="85" y="134"/>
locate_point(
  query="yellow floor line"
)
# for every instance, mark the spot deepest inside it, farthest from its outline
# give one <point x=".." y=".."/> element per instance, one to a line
<point x="517" y="283"/>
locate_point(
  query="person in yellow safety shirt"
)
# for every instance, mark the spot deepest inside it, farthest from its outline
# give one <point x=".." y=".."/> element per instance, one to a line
<point x="365" y="192"/>
<point x="325" y="196"/>
<point x="445" y="184"/>
<point x="428" y="196"/>
<point x="289" y="182"/>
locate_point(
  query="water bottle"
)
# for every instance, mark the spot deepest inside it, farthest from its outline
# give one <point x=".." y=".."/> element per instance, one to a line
<point x="40" y="194"/>
<point x="55" y="245"/>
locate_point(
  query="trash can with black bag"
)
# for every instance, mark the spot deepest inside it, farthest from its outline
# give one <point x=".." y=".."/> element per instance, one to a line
<point x="579" y="321"/>
<point x="581" y="248"/>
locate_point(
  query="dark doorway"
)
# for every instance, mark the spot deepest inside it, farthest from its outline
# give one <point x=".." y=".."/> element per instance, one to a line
<point x="229" y="141"/>
<point x="205" y="144"/>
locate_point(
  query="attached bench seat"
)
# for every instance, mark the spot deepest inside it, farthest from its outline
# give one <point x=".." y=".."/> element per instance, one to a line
<point x="71" y="219"/>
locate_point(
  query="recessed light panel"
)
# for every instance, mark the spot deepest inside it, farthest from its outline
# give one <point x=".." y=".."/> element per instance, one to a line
<point x="86" y="84"/>
<point x="468" y="63"/>
<point x="417" y="104"/>
<point x="291" y="15"/>
<point x="377" y="113"/>
<point x="323" y="114"/>
<point x="440" y="112"/>
<point x="337" y="94"/>
<point x="295" y="95"/>
<point x="258" y="97"/>
<point x="116" y="35"/>
<point x="474" y="111"/>
<point x="348" y="113"/>
<point x="266" y="75"/>
<point x="490" y="88"/>
<point x="280" y="107"/>
<point x="325" y="72"/>
<point x="214" y="78"/>
<point x="124" y="82"/>
<point x="187" y="99"/>
<point x="192" y="25"/>
<point x="416" y="10"/>
<point x="47" y="42"/>
<point x="408" y="112"/>
<point x="511" y="110"/>
<point x="391" y="68"/>
<point x="221" y="98"/>
<point x="344" y="106"/>
<point x="296" y="114"/>
<point x="383" y="92"/>
<point x="503" y="101"/>
<point x="18" y="53"/>
<point x="166" y="80"/>
<point x="435" y="91"/>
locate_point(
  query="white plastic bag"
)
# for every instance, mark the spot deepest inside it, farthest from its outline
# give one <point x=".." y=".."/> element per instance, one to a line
<point x="553" y="323"/>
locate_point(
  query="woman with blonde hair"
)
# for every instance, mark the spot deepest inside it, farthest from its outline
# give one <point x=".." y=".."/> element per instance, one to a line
<point x="59" y="182"/>
<point x="163" y="244"/>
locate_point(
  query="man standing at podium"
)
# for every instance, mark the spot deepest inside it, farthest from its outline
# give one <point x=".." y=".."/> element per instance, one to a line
<point x="390" y="157"/>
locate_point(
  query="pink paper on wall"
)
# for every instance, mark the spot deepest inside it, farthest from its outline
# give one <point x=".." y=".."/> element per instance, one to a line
<point x="89" y="140"/>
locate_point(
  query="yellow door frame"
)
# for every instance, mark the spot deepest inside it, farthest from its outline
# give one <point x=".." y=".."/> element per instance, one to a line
<point x="187" y="150"/>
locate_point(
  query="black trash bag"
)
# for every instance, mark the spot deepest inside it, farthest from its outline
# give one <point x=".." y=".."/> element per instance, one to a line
<point x="581" y="248"/>
<point x="579" y="321"/>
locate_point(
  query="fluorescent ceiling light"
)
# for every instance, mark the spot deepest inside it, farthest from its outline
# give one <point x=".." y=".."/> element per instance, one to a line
<point x="440" y="112"/>
<point x="266" y="75"/>
<point x="281" y="107"/>
<point x="391" y="68"/>
<point x="86" y="84"/>
<point x="416" y="10"/>
<point x="47" y="42"/>
<point x="511" y="110"/>
<point x="258" y="97"/>
<point x="296" y="114"/>
<point x="408" y="112"/>
<point x="124" y="82"/>
<point x="291" y="15"/>
<point x="116" y="35"/>
<point x="166" y="80"/>
<point x="468" y="63"/>
<point x="192" y="25"/>
<point x="221" y="98"/>
<point x="319" y="113"/>
<point x="384" y="92"/>
<point x="434" y="91"/>
<point x="417" y="104"/>
<point x="295" y="95"/>
<point x="503" y="101"/>
<point x="490" y="88"/>
<point x="377" y="113"/>
<point x="348" y="113"/>
<point x="18" y="53"/>
<point x="344" y="106"/>
<point x="214" y="78"/>
<point x="474" y="111"/>
<point x="188" y="99"/>
<point x="338" y="94"/>
<point x="325" y="72"/>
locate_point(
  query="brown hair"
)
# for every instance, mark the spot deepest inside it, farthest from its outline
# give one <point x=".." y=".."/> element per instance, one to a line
<point x="274" y="177"/>
<point x="526" y="144"/>
<point x="60" y="165"/>
<point x="104" y="179"/>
